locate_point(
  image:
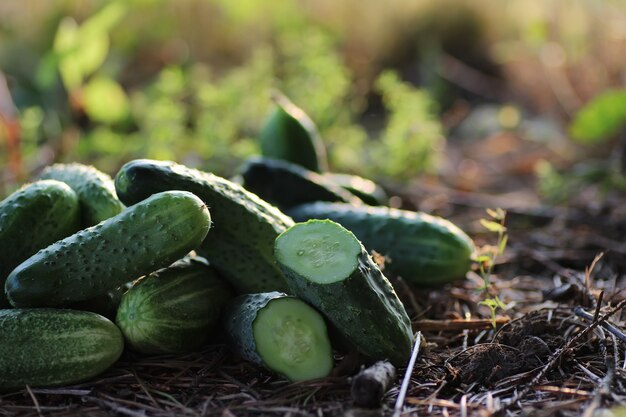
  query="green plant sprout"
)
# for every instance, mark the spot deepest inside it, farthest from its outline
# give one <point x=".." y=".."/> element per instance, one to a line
<point x="487" y="260"/>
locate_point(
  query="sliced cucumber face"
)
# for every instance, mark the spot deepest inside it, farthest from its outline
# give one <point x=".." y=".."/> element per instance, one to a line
<point x="291" y="339"/>
<point x="320" y="250"/>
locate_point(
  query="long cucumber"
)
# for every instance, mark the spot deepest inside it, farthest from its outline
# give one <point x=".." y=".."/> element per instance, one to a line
<point x="141" y="239"/>
<point x="245" y="227"/>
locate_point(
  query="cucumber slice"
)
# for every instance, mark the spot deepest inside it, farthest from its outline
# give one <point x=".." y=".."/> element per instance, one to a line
<point x="323" y="254"/>
<point x="327" y="266"/>
<point x="282" y="333"/>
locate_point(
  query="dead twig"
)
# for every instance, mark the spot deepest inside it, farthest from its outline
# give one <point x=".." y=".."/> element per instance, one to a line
<point x="370" y="385"/>
<point x="580" y="312"/>
<point x="459" y="324"/>
<point x="397" y="409"/>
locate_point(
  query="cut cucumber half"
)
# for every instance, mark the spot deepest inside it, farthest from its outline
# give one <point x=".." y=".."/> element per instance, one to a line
<point x="282" y="333"/>
<point x="322" y="253"/>
<point x="325" y="265"/>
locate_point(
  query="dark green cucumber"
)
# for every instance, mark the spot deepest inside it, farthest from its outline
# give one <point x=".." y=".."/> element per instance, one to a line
<point x="173" y="310"/>
<point x="141" y="239"/>
<point x="32" y="218"/>
<point x="104" y="304"/>
<point x="95" y="189"/>
<point x="328" y="267"/>
<point x="285" y="184"/>
<point x="245" y="226"/>
<point x="422" y="249"/>
<point x="47" y="347"/>
<point x="280" y="332"/>
<point x="368" y="191"/>
<point x="290" y="134"/>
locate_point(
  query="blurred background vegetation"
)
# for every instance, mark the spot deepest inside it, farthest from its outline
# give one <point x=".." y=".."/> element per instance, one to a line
<point x="400" y="90"/>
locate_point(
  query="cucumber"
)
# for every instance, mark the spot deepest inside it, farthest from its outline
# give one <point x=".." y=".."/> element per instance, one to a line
<point x="328" y="267"/>
<point x="290" y="134"/>
<point x="48" y="347"/>
<point x="173" y="310"/>
<point x="104" y="304"/>
<point x="368" y="191"/>
<point x="281" y="333"/>
<point x="285" y="184"/>
<point x="139" y="240"/>
<point x="95" y="189"/>
<point x="422" y="249"/>
<point x="245" y="227"/>
<point x="32" y="218"/>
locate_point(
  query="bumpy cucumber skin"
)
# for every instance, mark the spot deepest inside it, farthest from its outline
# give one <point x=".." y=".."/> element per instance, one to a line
<point x="285" y="184"/>
<point x="95" y="189"/>
<point x="47" y="347"/>
<point x="364" y="307"/>
<point x="245" y="227"/>
<point x="173" y="310"/>
<point x="423" y="249"/>
<point x="32" y="218"/>
<point x="290" y="134"/>
<point x="141" y="239"/>
<point x="366" y="190"/>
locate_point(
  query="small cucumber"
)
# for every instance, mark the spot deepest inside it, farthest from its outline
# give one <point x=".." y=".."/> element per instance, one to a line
<point x="285" y="184"/>
<point x="290" y="134"/>
<point x="245" y="226"/>
<point x="173" y="310"/>
<point x="141" y="239"/>
<point x="47" y="347"/>
<point x="95" y="189"/>
<point x="423" y="249"/>
<point x="328" y="267"/>
<point x="32" y="218"/>
<point x="280" y="332"/>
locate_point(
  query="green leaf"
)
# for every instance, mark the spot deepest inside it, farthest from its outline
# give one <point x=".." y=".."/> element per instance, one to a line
<point x="497" y="213"/>
<point x="502" y="244"/>
<point x="65" y="42"/>
<point x="82" y="50"/>
<point x="601" y="118"/>
<point x="105" y="101"/>
<point x="483" y="258"/>
<point x="492" y="226"/>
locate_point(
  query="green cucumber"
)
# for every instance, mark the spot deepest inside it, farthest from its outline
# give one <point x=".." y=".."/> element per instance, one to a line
<point x="280" y="332"/>
<point x="141" y="239"/>
<point x="422" y="249"/>
<point x="245" y="226"/>
<point x="32" y="218"/>
<point x="47" y="347"/>
<point x="173" y="310"/>
<point x="95" y="189"/>
<point x="328" y="267"/>
<point x="290" y="134"/>
<point x="368" y="191"/>
<point x="285" y="184"/>
<point x="104" y="304"/>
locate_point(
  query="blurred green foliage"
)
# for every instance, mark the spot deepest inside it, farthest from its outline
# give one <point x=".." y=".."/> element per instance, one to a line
<point x="197" y="114"/>
<point x="104" y="81"/>
<point x="600" y="119"/>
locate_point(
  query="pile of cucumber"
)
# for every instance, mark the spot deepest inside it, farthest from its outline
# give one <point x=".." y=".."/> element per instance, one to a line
<point x="165" y="259"/>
